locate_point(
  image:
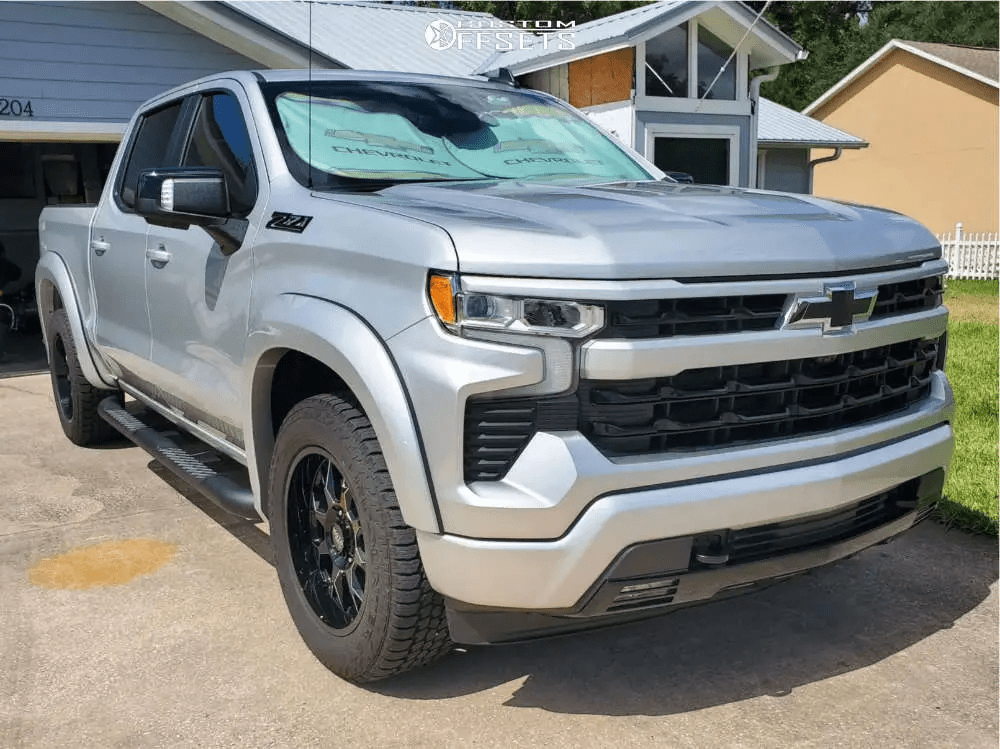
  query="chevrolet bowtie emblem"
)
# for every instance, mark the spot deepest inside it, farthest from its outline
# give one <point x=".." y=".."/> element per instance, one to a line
<point x="838" y="310"/>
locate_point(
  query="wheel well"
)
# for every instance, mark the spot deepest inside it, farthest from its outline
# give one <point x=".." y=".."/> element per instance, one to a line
<point x="50" y="300"/>
<point x="297" y="377"/>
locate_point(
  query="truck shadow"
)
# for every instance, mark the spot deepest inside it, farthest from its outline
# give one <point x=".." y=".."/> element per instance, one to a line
<point x="835" y="620"/>
<point x="247" y="533"/>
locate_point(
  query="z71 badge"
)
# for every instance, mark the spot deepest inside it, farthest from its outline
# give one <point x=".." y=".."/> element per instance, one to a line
<point x="288" y="222"/>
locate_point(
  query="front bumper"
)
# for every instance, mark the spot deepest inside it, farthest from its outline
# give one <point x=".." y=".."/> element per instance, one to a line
<point x="558" y="574"/>
<point x="475" y="625"/>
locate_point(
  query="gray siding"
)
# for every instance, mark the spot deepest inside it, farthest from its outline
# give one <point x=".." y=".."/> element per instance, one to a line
<point x="644" y="118"/>
<point x="786" y="169"/>
<point x="98" y="61"/>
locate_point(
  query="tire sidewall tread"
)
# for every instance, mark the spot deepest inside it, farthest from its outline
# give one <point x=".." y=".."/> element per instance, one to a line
<point x="401" y="623"/>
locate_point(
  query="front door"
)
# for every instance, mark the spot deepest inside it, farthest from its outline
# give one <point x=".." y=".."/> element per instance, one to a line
<point x="199" y="298"/>
<point x="117" y="251"/>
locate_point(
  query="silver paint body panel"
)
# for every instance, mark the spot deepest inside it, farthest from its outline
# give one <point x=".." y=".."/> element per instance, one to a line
<point x="350" y="291"/>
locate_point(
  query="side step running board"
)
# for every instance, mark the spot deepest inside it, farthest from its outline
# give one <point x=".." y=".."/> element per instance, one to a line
<point x="217" y="476"/>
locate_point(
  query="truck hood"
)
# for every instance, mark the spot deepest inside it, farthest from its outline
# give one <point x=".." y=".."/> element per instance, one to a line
<point x="654" y="230"/>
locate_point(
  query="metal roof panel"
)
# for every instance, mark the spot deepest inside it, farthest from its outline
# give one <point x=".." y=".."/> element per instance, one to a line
<point x="780" y="125"/>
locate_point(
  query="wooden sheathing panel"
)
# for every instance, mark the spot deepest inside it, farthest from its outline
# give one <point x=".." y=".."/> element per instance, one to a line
<point x="601" y="79"/>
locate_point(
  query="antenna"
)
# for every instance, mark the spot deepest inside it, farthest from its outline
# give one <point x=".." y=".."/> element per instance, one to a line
<point x="310" y="89"/>
<point x="502" y="75"/>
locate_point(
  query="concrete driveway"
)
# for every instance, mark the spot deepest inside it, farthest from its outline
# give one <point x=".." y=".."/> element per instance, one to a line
<point x="896" y="647"/>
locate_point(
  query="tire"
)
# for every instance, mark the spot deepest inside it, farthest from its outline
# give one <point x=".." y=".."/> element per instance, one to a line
<point x="76" y="399"/>
<point x="348" y="565"/>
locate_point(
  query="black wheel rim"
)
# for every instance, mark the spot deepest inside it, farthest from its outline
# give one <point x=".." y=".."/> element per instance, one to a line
<point x="60" y="378"/>
<point x="326" y="540"/>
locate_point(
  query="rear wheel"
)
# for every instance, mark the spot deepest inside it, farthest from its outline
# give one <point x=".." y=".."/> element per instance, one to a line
<point x="76" y="399"/>
<point x="349" y="566"/>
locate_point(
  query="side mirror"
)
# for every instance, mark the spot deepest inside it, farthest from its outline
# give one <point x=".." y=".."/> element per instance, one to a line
<point x="183" y="195"/>
<point x="179" y="197"/>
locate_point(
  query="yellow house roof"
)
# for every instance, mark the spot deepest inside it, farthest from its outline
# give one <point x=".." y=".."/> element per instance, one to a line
<point x="979" y="63"/>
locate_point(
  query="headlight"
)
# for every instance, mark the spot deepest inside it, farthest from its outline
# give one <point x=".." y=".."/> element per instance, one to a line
<point x="459" y="310"/>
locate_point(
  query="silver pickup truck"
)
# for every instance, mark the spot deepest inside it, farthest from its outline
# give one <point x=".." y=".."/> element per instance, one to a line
<point x="487" y="374"/>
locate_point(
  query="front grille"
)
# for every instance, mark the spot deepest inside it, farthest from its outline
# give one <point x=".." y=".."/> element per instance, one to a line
<point x="738" y="404"/>
<point x="908" y="296"/>
<point x="666" y="318"/>
<point x="761" y="542"/>
<point x="706" y="408"/>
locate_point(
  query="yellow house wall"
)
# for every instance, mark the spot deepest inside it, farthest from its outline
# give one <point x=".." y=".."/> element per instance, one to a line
<point x="933" y="135"/>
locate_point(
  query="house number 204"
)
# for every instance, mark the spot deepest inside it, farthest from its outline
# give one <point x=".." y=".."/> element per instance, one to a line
<point x="15" y="107"/>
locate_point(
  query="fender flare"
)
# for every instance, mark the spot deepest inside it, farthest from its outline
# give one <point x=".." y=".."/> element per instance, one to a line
<point x="337" y="337"/>
<point x="52" y="269"/>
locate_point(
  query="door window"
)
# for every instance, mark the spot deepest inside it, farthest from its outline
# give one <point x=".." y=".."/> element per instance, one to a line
<point x="220" y="139"/>
<point x="150" y="148"/>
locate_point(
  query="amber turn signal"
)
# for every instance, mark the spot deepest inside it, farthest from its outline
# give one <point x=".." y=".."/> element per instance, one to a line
<point x="442" y="293"/>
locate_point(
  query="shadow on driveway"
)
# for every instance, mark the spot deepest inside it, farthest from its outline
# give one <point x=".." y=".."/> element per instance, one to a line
<point x="834" y="620"/>
<point x="837" y="619"/>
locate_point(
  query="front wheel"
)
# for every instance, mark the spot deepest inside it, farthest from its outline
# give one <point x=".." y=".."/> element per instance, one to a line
<point x="349" y="566"/>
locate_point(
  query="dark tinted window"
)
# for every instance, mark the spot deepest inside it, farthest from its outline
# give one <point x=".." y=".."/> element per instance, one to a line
<point x="150" y="149"/>
<point x="667" y="63"/>
<point x="220" y="139"/>
<point x="705" y="159"/>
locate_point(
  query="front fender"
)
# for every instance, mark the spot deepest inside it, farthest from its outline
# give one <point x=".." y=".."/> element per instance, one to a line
<point x="341" y="340"/>
<point x="52" y="275"/>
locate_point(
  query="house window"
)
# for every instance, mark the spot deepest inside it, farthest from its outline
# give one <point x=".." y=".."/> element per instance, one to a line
<point x="709" y="153"/>
<point x="705" y="159"/>
<point x="713" y="53"/>
<point x="667" y="63"/>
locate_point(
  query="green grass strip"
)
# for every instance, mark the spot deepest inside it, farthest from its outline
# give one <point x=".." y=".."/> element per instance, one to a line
<point x="970" y="499"/>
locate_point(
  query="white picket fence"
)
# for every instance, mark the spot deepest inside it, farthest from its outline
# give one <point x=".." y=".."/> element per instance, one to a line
<point x="971" y="255"/>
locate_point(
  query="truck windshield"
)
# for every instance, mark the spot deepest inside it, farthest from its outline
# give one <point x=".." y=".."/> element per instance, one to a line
<point x="342" y="134"/>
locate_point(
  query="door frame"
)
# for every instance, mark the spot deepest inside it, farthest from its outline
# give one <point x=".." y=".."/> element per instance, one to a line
<point x="701" y="132"/>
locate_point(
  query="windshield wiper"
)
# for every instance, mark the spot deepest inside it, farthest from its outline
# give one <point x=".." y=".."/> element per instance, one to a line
<point x="374" y="184"/>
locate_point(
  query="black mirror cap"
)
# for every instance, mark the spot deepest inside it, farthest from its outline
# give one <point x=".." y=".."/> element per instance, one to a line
<point x="181" y="196"/>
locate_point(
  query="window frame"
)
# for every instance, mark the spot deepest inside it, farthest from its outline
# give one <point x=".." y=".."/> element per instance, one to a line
<point x="700" y="132"/>
<point x="649" y="102"/>
<point x="172" y="156"/>
<point x="199" y="99"/>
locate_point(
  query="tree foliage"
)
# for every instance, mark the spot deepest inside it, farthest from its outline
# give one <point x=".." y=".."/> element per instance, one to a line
<point x="581" y="12"/>
<point x="841" y="35"/>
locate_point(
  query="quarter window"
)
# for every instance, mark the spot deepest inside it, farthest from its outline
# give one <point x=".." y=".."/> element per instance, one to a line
<point x="219" y="139"/>
<point x="150" y="149"/>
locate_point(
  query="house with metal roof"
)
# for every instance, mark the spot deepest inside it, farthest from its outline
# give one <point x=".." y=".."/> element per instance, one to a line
<point x="672" y="80"/>
<point x="930" y="114"/>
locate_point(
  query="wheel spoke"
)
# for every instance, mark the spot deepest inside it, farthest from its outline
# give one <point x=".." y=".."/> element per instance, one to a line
<point x="326" y="540"/>
<point x="317" y="589"/>
<point x="356" y="587"/>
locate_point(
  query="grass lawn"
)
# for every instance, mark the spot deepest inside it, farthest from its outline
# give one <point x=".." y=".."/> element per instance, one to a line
<point x="970" y="500"/>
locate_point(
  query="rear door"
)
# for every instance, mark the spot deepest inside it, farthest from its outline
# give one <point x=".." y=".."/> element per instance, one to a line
<point x="118" y="246"/>
<point x="199" y="298"/>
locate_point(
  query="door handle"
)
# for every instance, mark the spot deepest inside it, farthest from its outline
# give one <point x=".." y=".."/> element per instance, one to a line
<point x="99" y="246"/>
<point x="159" y="256"/>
